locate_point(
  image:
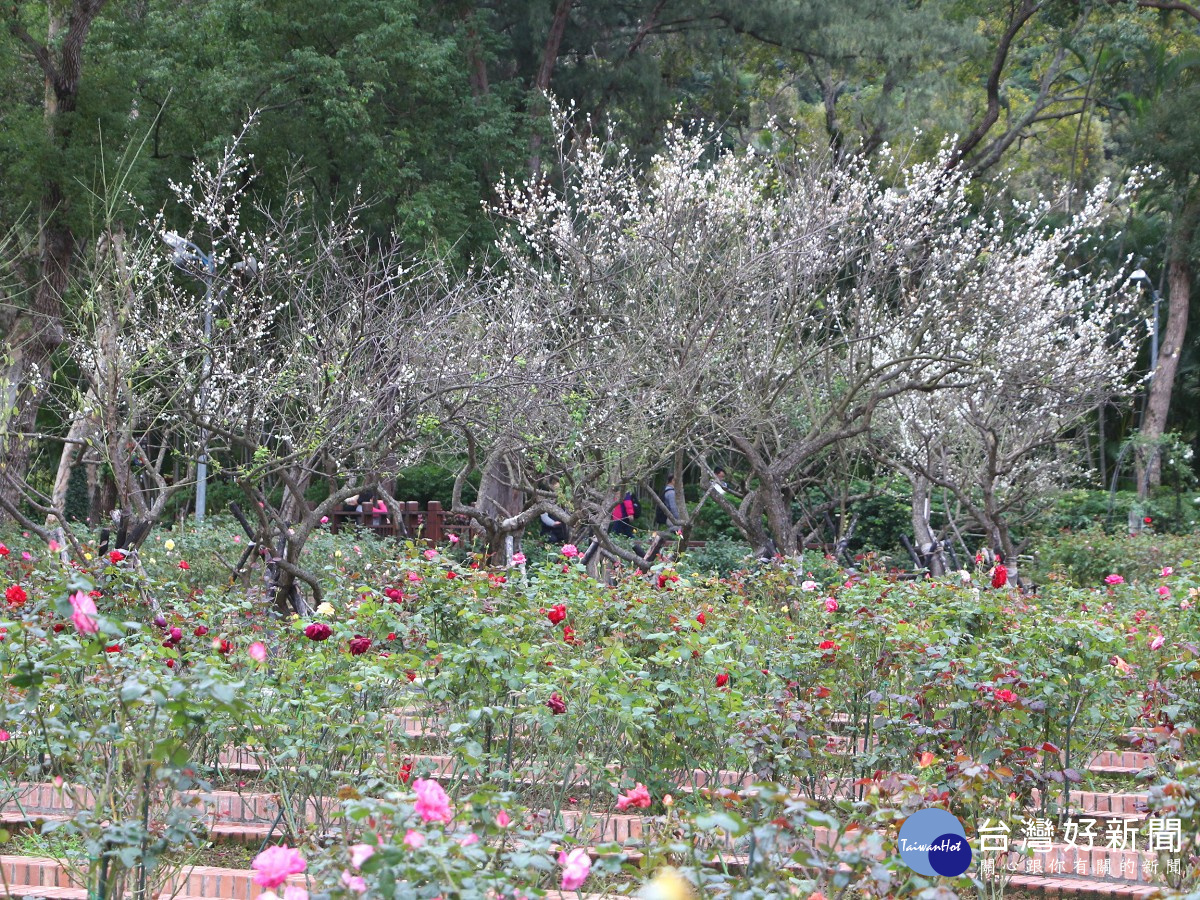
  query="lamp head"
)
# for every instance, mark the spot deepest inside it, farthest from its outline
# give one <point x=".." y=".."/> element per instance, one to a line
<point x="1140" y="276"/>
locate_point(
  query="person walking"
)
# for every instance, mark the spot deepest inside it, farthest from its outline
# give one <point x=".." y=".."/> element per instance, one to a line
<point x="623" y="513"/>
<point x="668" y="498"/>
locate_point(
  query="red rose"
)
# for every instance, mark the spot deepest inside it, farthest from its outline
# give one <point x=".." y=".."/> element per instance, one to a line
<point x="722" y="679"/>
<point x="115" y="557"/>
<point x="15" y="595"/>
<point x="451" y="575"/>
<point x="171" y="663"/>
<point x="557" y="613"/>
<point x="201" y="631"/>
<point x="556" y="704"/>
<point x="3" y="550"/>
<point x="391" y="636"/>
<point x="568" y="634"/>
<point x="359" y="645"/>
<point x="406" y="771"/>
<point x="827" y="645"/>
<point x="1148" y="520"/>
<point x="58" y="627"/>
<point x="318" y="631"/>
<point x="1005" y="696"/>
<point x="176" y="635"/>
<point x="394" y="594"/>
<point x="183" y="564"/>
<point x="999" y="576"/>
<point x="410" y="675"/>
<point x="113" y="648"/>
<point x="223" y="646"/>
<point x="700" y="618"/>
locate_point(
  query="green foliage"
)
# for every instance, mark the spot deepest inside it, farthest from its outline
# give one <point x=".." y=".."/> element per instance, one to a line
<point x="1087" y="557"/>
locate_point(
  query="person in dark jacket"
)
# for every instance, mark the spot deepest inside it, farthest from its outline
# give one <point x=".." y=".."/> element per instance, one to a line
<point x="668" y="498"/>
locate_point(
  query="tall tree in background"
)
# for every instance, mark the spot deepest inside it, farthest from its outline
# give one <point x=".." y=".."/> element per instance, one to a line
<point x="38" y="330"/>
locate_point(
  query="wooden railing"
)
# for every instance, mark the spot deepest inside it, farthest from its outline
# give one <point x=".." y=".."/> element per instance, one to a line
<point x="432" y="524"/>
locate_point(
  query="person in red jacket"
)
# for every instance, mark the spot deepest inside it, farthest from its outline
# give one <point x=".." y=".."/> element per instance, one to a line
<point x="623" y="514"/>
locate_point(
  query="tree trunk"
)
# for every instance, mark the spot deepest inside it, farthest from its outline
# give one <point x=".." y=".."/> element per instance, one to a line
<point x="61" y="62"/>
<point x="558" y="27"/>
<point x="926" y="540"/>
<point x="1158" y="403"/>
<point x="499" y="499"/>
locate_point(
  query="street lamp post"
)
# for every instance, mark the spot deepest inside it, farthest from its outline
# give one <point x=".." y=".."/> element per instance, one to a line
<point x="186" y="251"/>
<point x="1143" y="280"/>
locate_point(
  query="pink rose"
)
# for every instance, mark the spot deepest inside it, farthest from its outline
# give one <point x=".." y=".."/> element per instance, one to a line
<point x="360" y="853"/>
<point x="414" y="839"/>
<point x="1164" y="591"/>
<point x="258" y="651"/>
<point x="808" y="586"/>
<point x="355" y="883"/>
<point x="452" y="538"/>
<point x="831" y="605"/>
<point x="518" y="558"/>
<point x="432" y="803"/>
<point x="637" y="796"/>
<point x="1157" y="642"/>
<point x="273" y="866"/>
<point x="1114" y="578"/>
<point x="570" y="551"/>
<point x="576" y="866"/>
<point x="84" y="615"/>
<point x="431" y="554"/>
<point x="469" y="840"/>
<point x="503" y="819"/>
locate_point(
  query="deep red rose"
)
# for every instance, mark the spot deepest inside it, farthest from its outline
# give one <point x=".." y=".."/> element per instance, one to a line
<point x="115" y="557"/>
<point x="557" y="613"/>
<point x="359" y="645"/>
<point x="317" y="631"/>
<point x="722" y="679"/>
<point x="224" y="646"/>
<point x="406" y="771"/>
<point x="391" y="636"/>
<point x="183" y="564"/>
<point x="999" y="576"/>
<point x="171" y="663"/>
<point x="662" y="581"/>
<point x="201" y="630"/>
<point x="700" y="618"/>
<point x="568" y="634"/>
<point x="15" y="595"/>
<point x="410" y="675"/>
<point x="58" y="627"/>
<point x="556" y="704"/>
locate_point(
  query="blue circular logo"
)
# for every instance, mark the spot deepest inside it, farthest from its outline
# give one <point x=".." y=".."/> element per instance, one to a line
<point x="933" y="842"/>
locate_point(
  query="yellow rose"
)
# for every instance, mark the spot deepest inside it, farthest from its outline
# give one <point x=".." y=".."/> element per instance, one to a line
<point x="170" y="544"/>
